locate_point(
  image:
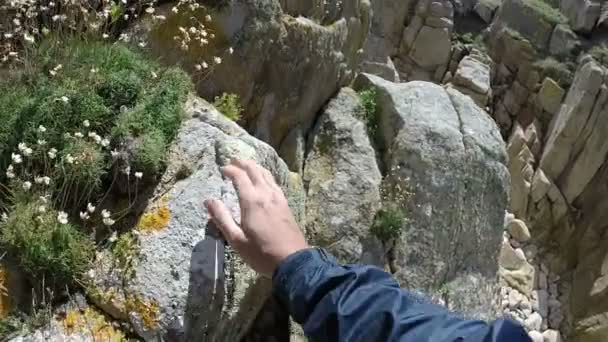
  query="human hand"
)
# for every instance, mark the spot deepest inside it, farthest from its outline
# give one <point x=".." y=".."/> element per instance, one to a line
<point x="268" y="233"/>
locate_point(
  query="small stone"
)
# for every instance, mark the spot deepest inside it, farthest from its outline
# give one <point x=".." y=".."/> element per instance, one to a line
<point x="514" y="298"/>
<point x="526" y="312"/>
<point x="509" y="258"/>
<point x="536" y="336"/>
<point x="534" y="321"/>
<point x="519" y="230"/>
<point x="550" y="96"/>
<point x="552" y="336"/>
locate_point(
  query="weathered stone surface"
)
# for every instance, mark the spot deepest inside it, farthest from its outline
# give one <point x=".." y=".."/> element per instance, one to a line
<point x="472" y="78"/>
<point x="526" y="19"/>
<point x="582" y="14"/>
<point x="454" y="158"/>
<point x="509" y="258"/>
<point x="563" y="41"/>
<point x="171" y="290"/>
<point x="536" y="336"/>
<point x="284" y="67"/>
<point x="343" y="183"/>
<point x="540" y="185"/>
<point x="518" y="230"/>
<point x="485" y="9"/>
<point x="552" y="336"/>
<point x="432" y="47"/>
<point x="574" y="137"/>
<point x="550" y="96"/>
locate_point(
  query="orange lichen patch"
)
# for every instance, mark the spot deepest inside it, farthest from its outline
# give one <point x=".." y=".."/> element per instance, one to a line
<point x="90" y="321"/>
<point x="146" y="310"/>
<point x="155" y="220"/>
<point x="5" y="306"/>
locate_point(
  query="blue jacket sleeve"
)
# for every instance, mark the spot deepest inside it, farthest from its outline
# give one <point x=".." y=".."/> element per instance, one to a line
<point x="362" y="303"/>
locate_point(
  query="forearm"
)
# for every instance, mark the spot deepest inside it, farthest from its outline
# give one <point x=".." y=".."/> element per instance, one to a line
<point x="345" y="303"/>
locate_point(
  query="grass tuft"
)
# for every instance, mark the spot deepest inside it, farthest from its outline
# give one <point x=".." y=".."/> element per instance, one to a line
<point x="229" y="105"/>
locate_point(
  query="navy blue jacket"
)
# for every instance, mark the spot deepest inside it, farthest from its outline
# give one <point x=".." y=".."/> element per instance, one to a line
<point x="362" y="303"/>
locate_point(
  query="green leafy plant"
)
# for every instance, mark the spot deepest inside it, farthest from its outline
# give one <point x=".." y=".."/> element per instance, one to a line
<point x="562" y="73"/>
<point x="600" y="53"/>
<point x="229" y="105"/>
<point x="45" y="248"/>
<point x="389" y="222"/>
<point x="370" y="108"/>
<point x="547" y="10"/>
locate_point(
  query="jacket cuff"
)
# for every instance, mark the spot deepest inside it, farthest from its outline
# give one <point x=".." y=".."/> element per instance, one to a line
<point x="294" y="269"/>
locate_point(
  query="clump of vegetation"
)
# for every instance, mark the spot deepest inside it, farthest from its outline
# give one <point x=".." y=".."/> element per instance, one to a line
<point x="390" y="220"/>
<point x="388" y="223"/>
<point x="125" y="253"/>
<point x="562" y="73"/>
<point x="600" y="54"/>
<point x="370" y="109"/>
<point x="229" y="105"/>
<point x="548" y="10"/>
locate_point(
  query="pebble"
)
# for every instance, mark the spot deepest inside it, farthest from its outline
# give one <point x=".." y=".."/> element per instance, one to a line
<point x="518" y="230"/>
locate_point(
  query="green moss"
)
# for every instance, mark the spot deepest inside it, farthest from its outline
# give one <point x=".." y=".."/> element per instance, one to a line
<point x="389" y="222"/>
<point x="229" y="105"/>
<point x="46" y="249"/>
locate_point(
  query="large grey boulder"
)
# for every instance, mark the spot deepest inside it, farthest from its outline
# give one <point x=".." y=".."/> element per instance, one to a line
<point x="289" y="58"/>
<point x="169" y="289"/>
<point x="343" y="183"/>
<point x="582" y="14"/>
<point x="453" y="158"/>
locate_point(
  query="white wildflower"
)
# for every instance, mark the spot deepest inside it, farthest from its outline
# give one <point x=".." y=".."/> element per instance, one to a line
<point x="205" y="65"/>
<point x="26" y="185"/>
<point x="113" y="237"/>
<point x="22" y="146"/>
<point x="28" y="152"/>
<point x="198" y="67"/>
<point x="62" y="217"/>
<point x="64" y="99"/>
<point x="41" y="142"/>
<point x="41" y="129"/>
<point x="139" y="175"/>
<point x="78" y="135"/>
<point x="150" y="10"/>
<point x="69" y="159"/>
<point x="86" y="123"/>
<point x="115" y="154"/>
<point x="94" y="71"/>
<point x="90" y="208"/>
<point x="208" y="17"/>
<point x="108" y="222"/>
<point x="10" y="174"/>
<point x="42" y="209"/>
<point x="174" y="9"/>
<point x="28" y="38"/>
<point x="154" y="75"/>
<point x="127" y="170"/>
<point x="105" y="36"/>
<point x="16" y="158"/>
<point x="217" y="60"/>
<point x="105" y="142"/>
<point x="4" y="217"/>
<point x="106" y="213"/>
<point x="91" y="273"/>
<point x="231" y="50"/>
<point x="84" y="215"/>
<point x="52" y="153"/>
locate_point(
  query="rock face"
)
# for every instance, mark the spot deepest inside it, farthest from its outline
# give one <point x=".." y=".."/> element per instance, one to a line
<point x="289" y="58"/>
<point x="343" y="183"/>
<point x="169" y="292"/>
<point x="452" y="156"/>
<point x="583" y="15"/>
<point x="472" y="78"/>
<point x="425" y="47"/>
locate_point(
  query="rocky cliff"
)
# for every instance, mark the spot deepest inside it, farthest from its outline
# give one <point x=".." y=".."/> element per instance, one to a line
<point x="457" y="144"/>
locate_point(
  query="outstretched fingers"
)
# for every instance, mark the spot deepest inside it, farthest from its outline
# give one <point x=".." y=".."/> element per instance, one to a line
<point x="225" y="223"/>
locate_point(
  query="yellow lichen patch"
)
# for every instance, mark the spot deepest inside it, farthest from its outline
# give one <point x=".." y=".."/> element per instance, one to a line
<point x="146" y="310"/>
<point x="90" y="321"/>
<point x="5" y="306"/>
<point x="155" y="220"/>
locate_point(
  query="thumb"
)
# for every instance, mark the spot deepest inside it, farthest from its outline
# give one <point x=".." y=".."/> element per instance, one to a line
<point x="224" y="221"/>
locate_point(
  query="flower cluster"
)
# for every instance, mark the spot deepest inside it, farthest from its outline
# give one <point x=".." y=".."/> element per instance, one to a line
<point x="41" y="186"/>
